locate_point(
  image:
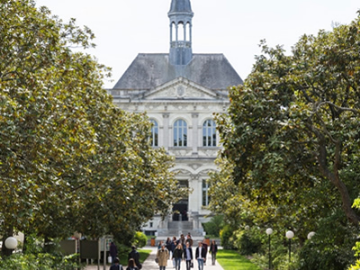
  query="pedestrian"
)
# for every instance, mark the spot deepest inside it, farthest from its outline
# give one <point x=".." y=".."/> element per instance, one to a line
<point x="182" y="240"/>
<point x="213" y="251"/>
<point x="132" y="265"/>
<point x="160" y="244"/>
<point x="116" y="265"/>
<point x="205" y="246"/>
<point x="178" y="256"/>
<point x="200" y="255"/>
<point x="136" y="256"/>
<point x="173" y="246"/>
<point x="168" y="244"/>
<point x="162" y="256"/>
<point x="113" y="252"/>
<point x="189" y="239"/>
<point x="188" y="254"/>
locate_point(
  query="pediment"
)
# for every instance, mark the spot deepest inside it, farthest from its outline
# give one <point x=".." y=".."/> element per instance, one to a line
<point x="180" y="89"/>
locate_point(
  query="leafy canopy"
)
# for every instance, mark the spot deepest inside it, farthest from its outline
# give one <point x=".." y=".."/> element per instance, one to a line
<point x="292" y="136"/>
<point x="69" y="159"/>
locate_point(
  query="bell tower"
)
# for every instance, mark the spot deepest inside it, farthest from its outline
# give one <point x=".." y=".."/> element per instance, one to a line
<point x="180" y="16"/>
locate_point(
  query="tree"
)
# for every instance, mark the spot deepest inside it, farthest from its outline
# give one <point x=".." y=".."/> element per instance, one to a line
<point x="69" y="159"/>
<point x="293" y="126"/>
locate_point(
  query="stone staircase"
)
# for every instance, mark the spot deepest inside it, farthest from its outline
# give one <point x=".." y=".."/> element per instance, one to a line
<point x="176" y="228"/>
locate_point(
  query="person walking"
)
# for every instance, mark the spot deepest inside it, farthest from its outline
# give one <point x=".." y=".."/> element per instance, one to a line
<point x="173" y="246"/>
<point x="189" y="239"/>
<point x="162" y="256"/>
<point x="113" y="252"/>
<point x="182" y="240"/>
<point x="116" y="265"/>
<point x="200" y="255"/>
<point x="188" y="255"/>
<point x="213" y="251"/>
<point x="205" y="246"/>
<point x="168" y="244"/>
<point x="136" y="256"/>
<point x="178" y="256"/>
<point x="132" y="265"/>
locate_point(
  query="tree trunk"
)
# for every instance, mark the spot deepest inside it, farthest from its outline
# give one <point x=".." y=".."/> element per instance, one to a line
<point x="336" y="181"/>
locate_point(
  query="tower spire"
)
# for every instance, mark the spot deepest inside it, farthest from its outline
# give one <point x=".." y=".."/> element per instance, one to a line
<point x="180" y="16"/>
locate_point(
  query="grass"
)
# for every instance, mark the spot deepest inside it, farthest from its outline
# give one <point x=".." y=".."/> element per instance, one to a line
<point x="231" y="260"/>
<point x="144" y="253"/>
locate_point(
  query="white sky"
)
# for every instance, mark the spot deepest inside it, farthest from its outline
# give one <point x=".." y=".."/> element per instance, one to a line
<point x="124" y="28"/>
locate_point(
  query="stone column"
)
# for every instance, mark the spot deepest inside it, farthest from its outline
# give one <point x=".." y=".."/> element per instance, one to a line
<point x="166" y="131"/>
<point x="194" y="199"/>
<point x="171" y="34"/>
<point x="177" y="33"/>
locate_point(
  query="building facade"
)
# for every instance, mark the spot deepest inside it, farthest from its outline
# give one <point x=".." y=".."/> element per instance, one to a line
<point x="180" y="91"/>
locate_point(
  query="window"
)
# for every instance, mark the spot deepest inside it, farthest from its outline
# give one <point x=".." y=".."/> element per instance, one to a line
<point x="154" y="133"/>
<point x="180" y="133"/>
<point x="209" y="133"/>
<point x="205" y="193"/>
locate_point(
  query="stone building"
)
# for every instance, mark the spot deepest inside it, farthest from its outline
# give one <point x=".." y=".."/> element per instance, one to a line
<point x="180" y="91"/>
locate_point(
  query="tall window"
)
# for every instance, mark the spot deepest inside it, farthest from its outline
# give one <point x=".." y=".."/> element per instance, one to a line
<point x="209" y="133"/>
<point x="205" y="193"/>
<point x="154" y="133"/>
<point x="180" y="133"/>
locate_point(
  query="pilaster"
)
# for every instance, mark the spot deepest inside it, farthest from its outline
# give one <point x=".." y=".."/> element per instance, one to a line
<point x="195" y="119"/>
<point x="166" y="131"/>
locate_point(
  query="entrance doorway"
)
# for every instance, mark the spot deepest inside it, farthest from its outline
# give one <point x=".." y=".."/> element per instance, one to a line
<point x="180" y="208"/>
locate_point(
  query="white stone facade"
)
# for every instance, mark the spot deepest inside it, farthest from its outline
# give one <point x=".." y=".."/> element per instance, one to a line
<point x="183" y="100"/>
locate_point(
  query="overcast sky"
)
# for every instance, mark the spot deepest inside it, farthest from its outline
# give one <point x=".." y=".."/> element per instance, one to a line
<point x="124" y="28"/>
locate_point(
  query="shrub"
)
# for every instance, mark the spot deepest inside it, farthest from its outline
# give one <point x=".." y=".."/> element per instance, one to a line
<point x="248" y="242"/>
<point x="140" y="239"/>
<point x="43" y="261"/>
<point x="214" y="226"/>
<point x="226" y="237"/>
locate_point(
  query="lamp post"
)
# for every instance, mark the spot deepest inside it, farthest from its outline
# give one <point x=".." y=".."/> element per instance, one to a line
<point x="269" y="231"/>
<point x="289" y="235"/>
<point x="11" y="243"/>
<point x="310" y="235"/>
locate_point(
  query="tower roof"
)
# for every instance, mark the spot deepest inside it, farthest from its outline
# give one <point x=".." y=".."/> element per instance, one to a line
<point x="180" y="6"/>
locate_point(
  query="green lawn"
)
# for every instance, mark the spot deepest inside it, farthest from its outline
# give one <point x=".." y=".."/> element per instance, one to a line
<point x="231" y="260"/>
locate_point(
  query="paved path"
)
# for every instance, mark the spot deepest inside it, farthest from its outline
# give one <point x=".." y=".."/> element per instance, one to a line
<point x="150" y="263"/>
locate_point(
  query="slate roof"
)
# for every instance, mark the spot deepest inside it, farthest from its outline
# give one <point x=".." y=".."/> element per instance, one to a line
<point x="180" y="6"/>
<point x="149" y="71"/>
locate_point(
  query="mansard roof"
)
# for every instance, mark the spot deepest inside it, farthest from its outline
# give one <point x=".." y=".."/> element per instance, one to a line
<point x="149" y="71"/>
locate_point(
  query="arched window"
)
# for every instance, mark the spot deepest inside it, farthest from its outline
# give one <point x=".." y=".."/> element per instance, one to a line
<point x="180" y="133"/>
<point x="173" y="32"/>
<point x="209" y="133"/>
<point x="181" y="31"/>
<point x="154" y="133"/>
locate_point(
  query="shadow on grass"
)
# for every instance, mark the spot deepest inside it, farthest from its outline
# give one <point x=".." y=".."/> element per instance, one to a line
<point x="144" y="253"/>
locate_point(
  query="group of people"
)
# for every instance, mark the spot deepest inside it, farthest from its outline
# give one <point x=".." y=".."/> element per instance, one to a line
<point x="133" y="259"/>
<point x="181" y="250"/>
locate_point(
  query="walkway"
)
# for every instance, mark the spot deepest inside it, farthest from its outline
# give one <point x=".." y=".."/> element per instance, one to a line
<point x="150" y="263"/>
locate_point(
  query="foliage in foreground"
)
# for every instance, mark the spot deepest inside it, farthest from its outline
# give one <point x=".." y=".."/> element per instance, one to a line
<point x="43" y="261"/>
<point x="35" y="257"/>
<point x="291" y="146"/>
<point x="69" y="159"/>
